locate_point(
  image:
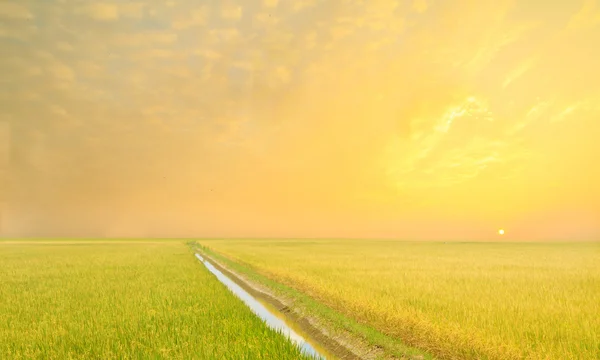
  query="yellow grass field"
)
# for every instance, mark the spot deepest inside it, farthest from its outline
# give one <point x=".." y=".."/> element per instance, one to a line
<point x="454" y="300"/>
<point x="123" y="300"/>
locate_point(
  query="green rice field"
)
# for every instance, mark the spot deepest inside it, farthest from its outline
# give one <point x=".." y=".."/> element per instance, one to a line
<point x="140" y="299"/>
<point x="453" y="300"/>
<point x="123" y="300"/>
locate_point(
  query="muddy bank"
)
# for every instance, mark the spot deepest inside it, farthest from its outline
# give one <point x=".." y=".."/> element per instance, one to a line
<point x="331" y="345"/>
<point x="272" y="317"/>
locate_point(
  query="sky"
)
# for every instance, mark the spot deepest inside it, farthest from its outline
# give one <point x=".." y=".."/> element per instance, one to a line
<point x="397" y="119"/>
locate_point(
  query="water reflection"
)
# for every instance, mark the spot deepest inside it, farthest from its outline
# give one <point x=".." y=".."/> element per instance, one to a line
<point x="261" y="311"/>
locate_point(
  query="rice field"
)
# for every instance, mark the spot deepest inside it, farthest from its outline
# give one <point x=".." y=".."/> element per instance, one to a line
<point x="454" y="300"/>
<point x="123" y="300"/>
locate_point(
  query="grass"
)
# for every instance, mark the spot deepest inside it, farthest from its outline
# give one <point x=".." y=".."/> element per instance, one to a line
<point x="336" y="324"/>
<point x="454" y="300"/>
<point x="125" y="300"/>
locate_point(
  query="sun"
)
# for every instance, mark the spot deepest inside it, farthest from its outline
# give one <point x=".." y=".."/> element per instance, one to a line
<point x="501" y="232"/>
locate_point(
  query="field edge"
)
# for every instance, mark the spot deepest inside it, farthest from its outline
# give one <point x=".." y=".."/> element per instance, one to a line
<point x="339" y="334"/>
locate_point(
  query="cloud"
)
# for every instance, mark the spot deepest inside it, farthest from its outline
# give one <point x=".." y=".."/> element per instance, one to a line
<point x="231" y="12"/>
<point x="448" y="149"/>
<point x="519" y="71"/>
<point x="103" y="11"/>
<point x="139" y="40"/>
<point x="299" y="5"/>
<point x="62" y="72"/>
<point x="381" y="107"/>
<point x="58" y="110"/>
<point x="283" y="74"/>
<point x="209" y="54"/>
<point x="110" y="12"/>
<point x="420" y="6"/>
<point x="588" y="17"/>
<point x="566" y="112"/>
<point x="195" y="17"/>
<point x="5" y="143"/>
<point x="340" y="32"/>
<point x="165" y="38"/>
<point x="224" y="35"/>
<point x="310" y="40"/>
<point x="270" y="3"/>
<point x="15" y="10"/>
<point x="265" y="20"/>
<point x="64" y="46"/>
<point x="132" y="9"/>
<point x="244" y="65"/>
<point x="89" y="69"/>
<point x="536" y="112"/>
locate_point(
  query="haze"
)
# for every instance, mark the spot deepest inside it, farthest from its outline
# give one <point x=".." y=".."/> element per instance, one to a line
<point x="304" y="118"/>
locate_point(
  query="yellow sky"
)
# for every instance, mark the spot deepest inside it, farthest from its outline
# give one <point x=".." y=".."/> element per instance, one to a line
<point x="353" y="118"/>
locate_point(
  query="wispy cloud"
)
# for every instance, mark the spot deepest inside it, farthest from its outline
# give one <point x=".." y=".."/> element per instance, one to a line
<point x="519" y="71"/>
<point x="587" y="18"/>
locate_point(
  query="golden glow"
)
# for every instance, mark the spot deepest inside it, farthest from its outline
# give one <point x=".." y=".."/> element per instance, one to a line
<point x="501" y="232"/>
<point x="407" y="119"/>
